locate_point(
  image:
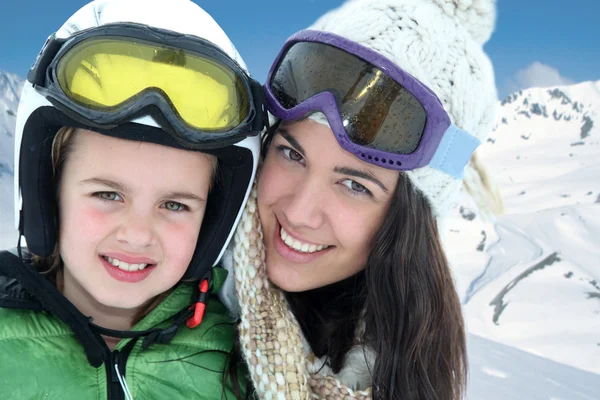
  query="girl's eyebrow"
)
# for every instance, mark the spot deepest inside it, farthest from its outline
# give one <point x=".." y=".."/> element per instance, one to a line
<point x="119" y="187"/>
<point x="184" y="196"/>
<point x="361" y="174"/>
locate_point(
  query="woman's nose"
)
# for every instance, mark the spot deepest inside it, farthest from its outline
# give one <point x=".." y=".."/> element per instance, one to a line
<point x="304" y="205"/>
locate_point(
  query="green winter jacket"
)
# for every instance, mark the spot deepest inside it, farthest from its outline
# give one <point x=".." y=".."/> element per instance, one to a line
<point x="40" y="357"/>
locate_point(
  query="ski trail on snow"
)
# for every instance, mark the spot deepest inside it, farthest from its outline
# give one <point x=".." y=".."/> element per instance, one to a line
<point x="503" y="255"/>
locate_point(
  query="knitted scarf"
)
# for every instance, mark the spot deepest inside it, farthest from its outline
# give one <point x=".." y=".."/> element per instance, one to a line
<point x="270" y="336"/>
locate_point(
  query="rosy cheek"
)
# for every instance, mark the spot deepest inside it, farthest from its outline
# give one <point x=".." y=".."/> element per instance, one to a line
<point x="183" y="234"/>
<point x="94" y="215"/>
<point x="87" y="220"/>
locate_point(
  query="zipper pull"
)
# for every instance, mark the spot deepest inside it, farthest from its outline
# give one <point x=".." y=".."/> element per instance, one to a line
<point x="122" y="380"/>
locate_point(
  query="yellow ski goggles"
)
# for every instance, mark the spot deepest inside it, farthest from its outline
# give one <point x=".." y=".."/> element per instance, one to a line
<point x="113" y="74"/>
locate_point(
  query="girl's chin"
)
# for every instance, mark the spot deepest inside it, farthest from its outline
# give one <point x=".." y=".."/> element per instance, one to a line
<point x="119" y="305"/>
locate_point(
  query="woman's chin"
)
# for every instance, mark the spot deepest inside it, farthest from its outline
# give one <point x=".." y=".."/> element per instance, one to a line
<point x="285" y="279"/>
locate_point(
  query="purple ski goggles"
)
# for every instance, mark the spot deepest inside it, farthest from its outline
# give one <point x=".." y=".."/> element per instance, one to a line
<point x="377" y="111"/>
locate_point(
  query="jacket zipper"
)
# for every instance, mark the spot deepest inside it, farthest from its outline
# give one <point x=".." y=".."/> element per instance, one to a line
<point x="118" y="358"/>
<point x="115" y="392"/>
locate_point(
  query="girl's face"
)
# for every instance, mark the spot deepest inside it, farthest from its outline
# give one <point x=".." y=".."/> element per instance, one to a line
<point x="319" y="206"/>
<point x="130" y="214"/>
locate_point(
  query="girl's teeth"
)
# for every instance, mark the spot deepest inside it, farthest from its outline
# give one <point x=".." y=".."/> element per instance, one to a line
<point x="298" y="245"/>
<point x="125" y="266"/>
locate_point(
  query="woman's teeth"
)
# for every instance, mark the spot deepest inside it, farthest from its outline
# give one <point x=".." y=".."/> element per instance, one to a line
<point x="124" y="266"/>
<point x="299" y="246"/>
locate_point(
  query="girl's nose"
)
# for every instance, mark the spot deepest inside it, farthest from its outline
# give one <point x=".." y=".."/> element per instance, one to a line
<point x="137" y="230"/>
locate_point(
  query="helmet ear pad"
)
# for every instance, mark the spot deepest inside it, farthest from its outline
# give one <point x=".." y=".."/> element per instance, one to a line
<point x="39" y="212"/>
<point x="38" y="222"/>
<point x="223" y="207"/>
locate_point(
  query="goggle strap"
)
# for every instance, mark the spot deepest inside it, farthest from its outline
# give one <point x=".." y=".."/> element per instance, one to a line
<point x="37" y="73"/>
<point x="258" y="94"/>
<point x="454" y="151"/>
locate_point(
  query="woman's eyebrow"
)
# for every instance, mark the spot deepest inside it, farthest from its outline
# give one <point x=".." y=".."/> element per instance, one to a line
<point x="287" y="136"/>
<point x="361" y="174"/>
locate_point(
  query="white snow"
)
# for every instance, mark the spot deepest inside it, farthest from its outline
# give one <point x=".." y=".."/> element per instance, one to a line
<point x="500" y="372"/>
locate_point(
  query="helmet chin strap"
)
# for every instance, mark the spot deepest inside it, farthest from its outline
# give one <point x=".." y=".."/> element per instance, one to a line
<point x="151" y="336"/>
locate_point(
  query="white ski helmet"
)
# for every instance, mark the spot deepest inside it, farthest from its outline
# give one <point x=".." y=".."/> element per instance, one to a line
<point x="46" y="105"/>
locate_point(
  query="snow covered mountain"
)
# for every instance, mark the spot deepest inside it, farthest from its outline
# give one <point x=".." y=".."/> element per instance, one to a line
<point x="530" y="282"/>
<point x="10" y="90"/>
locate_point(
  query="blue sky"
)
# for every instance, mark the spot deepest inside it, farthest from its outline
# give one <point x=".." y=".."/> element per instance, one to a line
<point x="535" y="43"/>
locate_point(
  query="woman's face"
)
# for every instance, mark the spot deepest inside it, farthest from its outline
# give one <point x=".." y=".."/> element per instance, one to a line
<point x="319" y="206"/>
<point x="130" y="214"/>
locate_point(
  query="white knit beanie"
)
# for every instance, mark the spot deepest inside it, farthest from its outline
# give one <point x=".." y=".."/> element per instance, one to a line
<point x="440" y="43"/>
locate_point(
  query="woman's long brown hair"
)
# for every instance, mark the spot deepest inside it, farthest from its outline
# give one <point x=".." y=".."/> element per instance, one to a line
<point x="408" y="302"/>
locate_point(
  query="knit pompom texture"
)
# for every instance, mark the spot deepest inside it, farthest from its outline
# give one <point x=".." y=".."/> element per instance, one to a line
<point x="440" y="43"/>
<point x="477" y="16"/>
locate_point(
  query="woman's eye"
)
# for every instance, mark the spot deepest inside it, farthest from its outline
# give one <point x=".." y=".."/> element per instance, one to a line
<point x="355" y="187"/>
<point x="109" y="196"/>
<point x="292" y="154"/>
<point x="174" y="206"/>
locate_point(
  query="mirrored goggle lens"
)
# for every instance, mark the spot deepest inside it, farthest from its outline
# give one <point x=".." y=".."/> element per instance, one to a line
<point x="377" y="112"/>
<point x="104" y="73"/>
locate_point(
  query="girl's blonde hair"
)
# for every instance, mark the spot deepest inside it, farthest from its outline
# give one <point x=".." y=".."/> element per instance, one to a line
<point x="62" y="146"/>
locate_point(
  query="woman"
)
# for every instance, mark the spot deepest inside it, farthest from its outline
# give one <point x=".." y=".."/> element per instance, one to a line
<point x="381" y="107"/>
<point x="137" y="136"/>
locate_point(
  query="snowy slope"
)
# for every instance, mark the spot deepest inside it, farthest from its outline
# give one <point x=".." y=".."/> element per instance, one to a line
<point x="500" y="372"/>
<point x="532" y="281"/>
<point x="10" y="90"/>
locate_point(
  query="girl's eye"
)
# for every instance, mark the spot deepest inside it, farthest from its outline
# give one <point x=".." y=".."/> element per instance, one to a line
<point x="291" y="154"/>
<point x="355" y="187"/>
<point x="174" y="206"/>
<point x="109" y="196"/>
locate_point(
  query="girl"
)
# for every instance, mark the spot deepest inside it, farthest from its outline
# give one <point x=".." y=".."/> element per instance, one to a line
<point x="136" y="145"/>
<point x="381" y="107"/>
